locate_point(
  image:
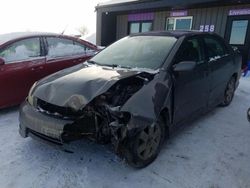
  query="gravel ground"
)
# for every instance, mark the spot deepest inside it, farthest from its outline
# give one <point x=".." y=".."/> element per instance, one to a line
<point x="212" y="152"/>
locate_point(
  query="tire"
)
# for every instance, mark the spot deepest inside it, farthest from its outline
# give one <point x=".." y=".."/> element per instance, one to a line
<point x="142" y="149"/>
<point x="229" y="92"/>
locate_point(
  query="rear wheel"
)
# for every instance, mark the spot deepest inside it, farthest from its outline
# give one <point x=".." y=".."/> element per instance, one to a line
<point x="229" y="92"/>
<point x="145" y="146"/>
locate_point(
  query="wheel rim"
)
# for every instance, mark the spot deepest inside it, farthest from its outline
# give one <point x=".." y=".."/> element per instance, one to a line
<point x="230" y="91"/>
<point x="148" y="141"/>
<point x="248" y="114"/>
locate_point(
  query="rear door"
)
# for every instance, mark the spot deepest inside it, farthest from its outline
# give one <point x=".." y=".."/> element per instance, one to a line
<point x="63" y="53"/>
<point x="221" y="64"/>
<point x="23" y="66"/>
<point x="191" y="88"/>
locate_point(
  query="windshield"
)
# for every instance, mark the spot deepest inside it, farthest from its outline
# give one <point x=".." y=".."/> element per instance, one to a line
<point x="136" y="52"/>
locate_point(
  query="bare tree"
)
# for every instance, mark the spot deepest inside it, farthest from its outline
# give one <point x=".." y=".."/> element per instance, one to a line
<point x="83" y="30"/>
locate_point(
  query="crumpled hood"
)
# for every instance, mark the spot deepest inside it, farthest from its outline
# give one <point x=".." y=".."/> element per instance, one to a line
<point x="79" y="84"/>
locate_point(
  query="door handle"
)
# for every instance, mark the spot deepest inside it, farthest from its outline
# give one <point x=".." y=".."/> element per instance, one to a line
<point x="77" y="60"/>
<point x="37" y="68"/>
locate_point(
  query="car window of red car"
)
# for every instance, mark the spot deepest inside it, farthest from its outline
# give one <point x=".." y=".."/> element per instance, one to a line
<point x="87" y="49"/>
<point x="59" y="47"/>
<point x="21" y="50"/>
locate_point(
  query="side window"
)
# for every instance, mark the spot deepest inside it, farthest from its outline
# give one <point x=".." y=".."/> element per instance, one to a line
<point x="60" y="47"/>
<point x="22" y="50"/>
<point x="215" y="48"/>
<point x="84" y="48"/>
<point x="190" y="50"/>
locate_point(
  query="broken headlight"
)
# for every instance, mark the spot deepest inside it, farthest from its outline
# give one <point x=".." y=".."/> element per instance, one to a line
<point x="31" y="99"/>
<point x="76" y="102"/>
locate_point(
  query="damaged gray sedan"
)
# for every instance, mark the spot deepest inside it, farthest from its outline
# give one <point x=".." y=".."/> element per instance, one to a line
<point x="134" y="93"/>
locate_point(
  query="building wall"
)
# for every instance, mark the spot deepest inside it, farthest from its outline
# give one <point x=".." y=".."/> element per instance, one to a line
<point x="216" y="16"/>
<point x="121" y="26"/>
<point x="98" y="28"/>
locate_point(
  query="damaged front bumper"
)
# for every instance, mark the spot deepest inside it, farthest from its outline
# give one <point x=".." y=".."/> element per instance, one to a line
<point x="36" y="124"/>
<point x="41" y="126"/>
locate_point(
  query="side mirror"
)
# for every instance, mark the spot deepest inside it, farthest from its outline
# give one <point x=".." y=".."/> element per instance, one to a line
<point x="184" y="66"/>
<point x="2" y="62"/>
<point x="101" y="47"/>
<point x="235" y="49"/>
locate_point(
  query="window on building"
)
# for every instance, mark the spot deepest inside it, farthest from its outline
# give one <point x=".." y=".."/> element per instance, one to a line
<point x="22" y="50"/>
<point x="145" y="27"/>
<point x="138" y="27"/>
<point x="238" y="32"/>
<point x="179" y="23"/>
<point x="134" y="28"/>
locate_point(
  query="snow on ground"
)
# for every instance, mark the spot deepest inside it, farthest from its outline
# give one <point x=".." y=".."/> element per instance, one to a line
<point x="212" y="152"/>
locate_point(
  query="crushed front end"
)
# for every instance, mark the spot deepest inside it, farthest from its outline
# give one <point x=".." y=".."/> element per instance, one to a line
<point x="101" y="119"/>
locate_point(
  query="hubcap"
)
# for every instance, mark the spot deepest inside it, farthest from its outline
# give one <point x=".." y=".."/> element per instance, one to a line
<point x="148" y="141"/>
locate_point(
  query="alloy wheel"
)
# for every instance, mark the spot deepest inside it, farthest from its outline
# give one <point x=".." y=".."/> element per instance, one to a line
<point x="230" y="91"/>
<point x="148" y="141"/>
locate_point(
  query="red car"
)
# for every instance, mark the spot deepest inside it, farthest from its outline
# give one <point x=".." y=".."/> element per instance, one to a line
<point x="28" y="57"/>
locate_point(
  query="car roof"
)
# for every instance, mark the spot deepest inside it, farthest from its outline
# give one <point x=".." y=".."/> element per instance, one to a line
<point x="176" y="34"/>
<point x="4" y="38"/>
<point x="9" y="37"/>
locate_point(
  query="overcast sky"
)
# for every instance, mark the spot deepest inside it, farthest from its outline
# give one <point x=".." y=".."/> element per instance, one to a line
<point x="48" y="15"/>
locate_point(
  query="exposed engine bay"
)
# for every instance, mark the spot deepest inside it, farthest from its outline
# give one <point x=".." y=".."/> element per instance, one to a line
<point x="98" y="120"/>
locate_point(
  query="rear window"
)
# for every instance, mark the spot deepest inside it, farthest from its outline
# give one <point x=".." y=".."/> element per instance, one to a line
<point x="215" y="48"/>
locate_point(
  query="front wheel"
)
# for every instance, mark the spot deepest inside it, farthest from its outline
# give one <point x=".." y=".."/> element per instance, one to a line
<point x="145" y="146"/>
<point x="229" y="92"/>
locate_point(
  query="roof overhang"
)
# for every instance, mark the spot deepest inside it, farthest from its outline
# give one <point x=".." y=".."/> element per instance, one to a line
<point x="137" y="5"/>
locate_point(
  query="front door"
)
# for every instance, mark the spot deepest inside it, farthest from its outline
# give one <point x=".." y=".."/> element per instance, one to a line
<point x="23" y="66"/>
<point x="238" y="34"/>
<point x="191" y="89"/>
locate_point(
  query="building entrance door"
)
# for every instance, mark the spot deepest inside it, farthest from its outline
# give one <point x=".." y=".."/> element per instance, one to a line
<point x="238" y="34"/>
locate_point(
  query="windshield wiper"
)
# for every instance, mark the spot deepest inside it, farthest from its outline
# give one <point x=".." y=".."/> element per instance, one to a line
<point x="95" y="63"/>
<point x="126" y="67"/>
<point x="92" y="62"/>
<point x="115" y="65"/>
<point x="108" y="65"/>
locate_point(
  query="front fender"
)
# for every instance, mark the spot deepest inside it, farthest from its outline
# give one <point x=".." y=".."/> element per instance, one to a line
<point x="151" y="99"/>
